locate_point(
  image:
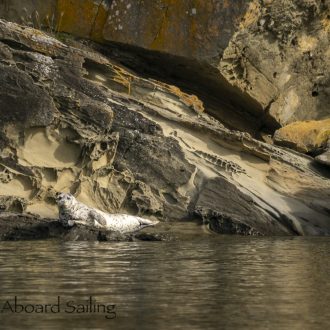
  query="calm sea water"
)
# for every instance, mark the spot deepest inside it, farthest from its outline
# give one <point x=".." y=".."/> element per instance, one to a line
<point x="206" y="282"/>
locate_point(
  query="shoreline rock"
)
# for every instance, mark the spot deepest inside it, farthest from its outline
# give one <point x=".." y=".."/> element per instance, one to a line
<point x="126" y="143"/>
<point x="20" y="227"/>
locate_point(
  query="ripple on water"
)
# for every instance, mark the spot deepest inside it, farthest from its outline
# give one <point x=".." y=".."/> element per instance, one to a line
<point x="228" y="282"/>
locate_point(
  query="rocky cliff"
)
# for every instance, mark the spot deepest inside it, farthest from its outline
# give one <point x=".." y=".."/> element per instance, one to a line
<point x="106" y="121"/>
<point x="267" y="59"/>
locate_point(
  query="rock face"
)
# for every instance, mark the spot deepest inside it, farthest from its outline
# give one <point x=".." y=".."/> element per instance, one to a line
<point x="267" y="59"/>
<point x="74" y="120"/>
<point x="279" y="57"/>
<point x="194" y="29"/>
<point x="17" y="227"/>
<point x="215" y="205"/>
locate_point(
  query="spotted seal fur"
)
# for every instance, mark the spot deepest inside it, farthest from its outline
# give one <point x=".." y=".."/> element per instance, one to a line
<point x="72" y="211"/>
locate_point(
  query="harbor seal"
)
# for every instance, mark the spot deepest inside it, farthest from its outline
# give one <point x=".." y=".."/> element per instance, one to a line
<point x="72" y="211"/>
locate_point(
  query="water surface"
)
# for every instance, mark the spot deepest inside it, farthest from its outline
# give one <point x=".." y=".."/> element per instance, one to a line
<point x="209" y="282"/>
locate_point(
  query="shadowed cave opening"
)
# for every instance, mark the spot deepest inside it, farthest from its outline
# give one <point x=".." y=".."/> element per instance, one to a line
<point x="233" y="108"/>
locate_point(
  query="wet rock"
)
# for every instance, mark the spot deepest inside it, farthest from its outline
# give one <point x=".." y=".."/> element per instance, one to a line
<point x="153" y="237"/>
<point x="18" y="227"/>
<point x="223" y="224"/>
<point x="229" y="211"/>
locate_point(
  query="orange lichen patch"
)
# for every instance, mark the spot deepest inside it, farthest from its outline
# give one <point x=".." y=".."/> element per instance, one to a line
<point x="184" y="25"/>
<point x="79" y="17"/>
<point x="189" y="100"/>
<point x="130" y="81"/>
<point x="100" y="20"/>
<point x="123" y="77"/>
<point x="195" y="28"/>
<point x="304" y="136"/>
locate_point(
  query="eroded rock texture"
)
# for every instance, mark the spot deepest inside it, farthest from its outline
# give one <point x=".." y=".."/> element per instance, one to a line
<point x="74" y="120"/>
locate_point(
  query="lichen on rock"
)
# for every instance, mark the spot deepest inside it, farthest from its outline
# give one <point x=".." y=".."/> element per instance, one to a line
<point x="307" y="136"/>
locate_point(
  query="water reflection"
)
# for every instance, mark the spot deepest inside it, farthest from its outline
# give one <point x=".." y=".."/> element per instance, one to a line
<point x="206" y="284"/>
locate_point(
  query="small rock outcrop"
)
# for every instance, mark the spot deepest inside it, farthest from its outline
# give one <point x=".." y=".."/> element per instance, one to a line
<point x="306" y="137"/>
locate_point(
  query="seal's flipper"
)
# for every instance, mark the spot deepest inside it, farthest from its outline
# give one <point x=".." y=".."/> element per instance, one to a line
<point x="147" y="223"/>
<point x="95" y="216"/>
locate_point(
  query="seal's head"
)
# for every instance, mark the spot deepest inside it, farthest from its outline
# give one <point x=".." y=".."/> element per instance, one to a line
<point x="64" y="200"/>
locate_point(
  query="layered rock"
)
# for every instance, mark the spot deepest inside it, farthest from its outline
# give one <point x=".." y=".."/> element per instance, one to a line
<point x="267" y="59"/>
<point x="125" y="143"/>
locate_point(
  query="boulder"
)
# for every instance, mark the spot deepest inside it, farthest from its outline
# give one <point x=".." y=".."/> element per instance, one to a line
<point x="304" y="136"/>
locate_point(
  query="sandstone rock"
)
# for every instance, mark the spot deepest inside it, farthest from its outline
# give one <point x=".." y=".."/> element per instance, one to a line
<point x="307" y="136"/>
<point x="278" y="56"/>
<point x="268" y="60"/>
<point x="21" y="101"/>
<point x="128" y="143"/>
<point x="229" y="211"/>
<point x="176" y="27"/>
<point x="82" y="18"/>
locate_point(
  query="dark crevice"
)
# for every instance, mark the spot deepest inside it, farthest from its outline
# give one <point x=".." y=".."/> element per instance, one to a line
<point x="95" y="18"/>
<point x="164" y="18"/>
<point x="228" y="104"/>
<point x="16" y="45"/>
